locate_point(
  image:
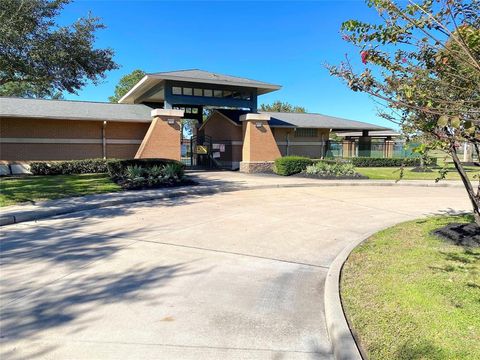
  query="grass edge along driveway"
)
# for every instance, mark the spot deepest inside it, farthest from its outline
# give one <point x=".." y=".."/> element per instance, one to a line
<point x="37" y="188"/>
<point x="411" y="295"/>
<point x="393" y="173"/>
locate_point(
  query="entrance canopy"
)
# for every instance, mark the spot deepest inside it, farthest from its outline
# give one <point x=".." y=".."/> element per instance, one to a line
<point x="197" y="88"/>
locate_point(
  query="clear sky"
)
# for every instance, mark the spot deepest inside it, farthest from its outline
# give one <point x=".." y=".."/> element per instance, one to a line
<point x="285" y="43"/>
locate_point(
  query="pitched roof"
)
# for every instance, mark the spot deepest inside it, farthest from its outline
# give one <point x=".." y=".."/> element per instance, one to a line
<point x="73" y="110"/>
<point x="305" y="120"/>
<point x="197" y="75"/>
<point x="194" y="76"/>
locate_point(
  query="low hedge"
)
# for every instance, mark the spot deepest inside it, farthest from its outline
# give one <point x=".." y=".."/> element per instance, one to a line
<point x="289" y="165"/>
<point x="88" y="166"/>
<point x="117" y="169"/>
<point x="388" y="162"/>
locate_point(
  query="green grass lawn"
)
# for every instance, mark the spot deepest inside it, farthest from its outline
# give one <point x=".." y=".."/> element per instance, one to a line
<point x="411" y="295"/>
<point x="36" y="188"/>
<point x="389" y="173"/>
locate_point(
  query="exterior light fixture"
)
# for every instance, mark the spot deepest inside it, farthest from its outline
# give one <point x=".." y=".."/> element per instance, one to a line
<point x="171" y="121"/>
<point x="258" y="124"/>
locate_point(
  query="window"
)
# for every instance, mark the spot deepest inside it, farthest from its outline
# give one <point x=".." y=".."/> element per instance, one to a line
<point x="217" y="93"/>
<point x="306" y="132"/>
<point x="198" y="92"/>
<point x="207" y="93"/>
<point x="194" y="110"/>
<point x="188" y="91"/>
<point x="227" y="94"/>
<point x="176" y="90"/>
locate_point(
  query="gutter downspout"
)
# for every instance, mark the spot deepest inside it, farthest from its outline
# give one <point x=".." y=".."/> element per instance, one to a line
<point x="104" y="141"/>
<point x="286" y="150"/>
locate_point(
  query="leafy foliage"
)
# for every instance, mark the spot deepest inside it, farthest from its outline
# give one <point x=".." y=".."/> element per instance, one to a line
<point x="280" y="106"/>
<point x="289" y="165"/>
<point x="125" y="84"/>
<point x="88" y="166"/>
<point x="39" y="58"/>
<point x="422" y="64"/>
<point x="328" y="169"/>
<point x="137" y="176"/>
<point x="388" y="162"/>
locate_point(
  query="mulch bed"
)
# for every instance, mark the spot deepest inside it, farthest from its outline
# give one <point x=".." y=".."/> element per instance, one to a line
<point x="467" y="235"/>
<point x="320" y="177"/>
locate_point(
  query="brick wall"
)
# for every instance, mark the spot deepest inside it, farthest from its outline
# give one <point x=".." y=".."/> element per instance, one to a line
<point x="45" y="139"/>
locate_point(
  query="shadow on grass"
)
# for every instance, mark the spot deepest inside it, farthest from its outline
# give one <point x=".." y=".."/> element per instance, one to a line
<point x="412" y="350"/>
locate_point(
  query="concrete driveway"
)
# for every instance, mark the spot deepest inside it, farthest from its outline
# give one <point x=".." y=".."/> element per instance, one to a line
<point x="235" y="275"/>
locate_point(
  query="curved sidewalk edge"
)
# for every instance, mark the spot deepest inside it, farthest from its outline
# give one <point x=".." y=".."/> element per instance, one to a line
<point x="343" y="343"/>
<point x="23" y="213"/>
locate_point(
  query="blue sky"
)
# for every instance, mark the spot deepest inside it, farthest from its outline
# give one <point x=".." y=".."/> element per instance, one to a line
<point x="285" y="43"/>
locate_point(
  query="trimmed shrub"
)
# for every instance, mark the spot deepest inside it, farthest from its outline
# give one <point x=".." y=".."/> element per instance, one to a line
<point x="329" y="169"/>
<point x="87" y="166"/>
<point x="117" y="169"/>
<point x="388" y="162"/>
<point x="144" y="173"/>
<point x="289" y="165"/>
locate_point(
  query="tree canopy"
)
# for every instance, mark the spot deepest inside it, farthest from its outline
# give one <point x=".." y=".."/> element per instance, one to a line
<point x="126" y="83"/>
<point x="421" y="63"/>
<point x="39" y="58"/>
<point x="280" y="106"/>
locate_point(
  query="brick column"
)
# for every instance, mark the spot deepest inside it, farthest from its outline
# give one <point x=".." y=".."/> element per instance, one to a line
<point x="162" y="139"/>
<point x="259" y="146"/>
<point x="348" y="147"/>
<point x="388" y="148"/>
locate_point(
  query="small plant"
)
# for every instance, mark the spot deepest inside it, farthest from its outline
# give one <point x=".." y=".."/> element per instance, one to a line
<point x="329" y="169"/>
<point x="155" y="171"/>
<point x="135" y="173"/>
<point x="173" y="171"/>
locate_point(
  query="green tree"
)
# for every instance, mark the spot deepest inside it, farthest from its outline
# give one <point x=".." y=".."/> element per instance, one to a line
<point x="280" y="106"/>
<point x="421" y="62"/>
<point x="126" y="83"/>
<point x="39" y="58"/>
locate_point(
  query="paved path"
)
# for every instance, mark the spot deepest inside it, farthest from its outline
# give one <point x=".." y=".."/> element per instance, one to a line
<point x="235" y="275"/>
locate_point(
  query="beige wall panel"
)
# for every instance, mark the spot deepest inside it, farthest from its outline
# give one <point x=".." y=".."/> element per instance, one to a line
<point x="27" y="152"/>
<point x="122" y="151"/>
<point x="220" y="129"/>
<point x="123" y="130"/>
<point x="281" y="135"/>
<point x="46" y="128"/>
<point x="311" y="151"/>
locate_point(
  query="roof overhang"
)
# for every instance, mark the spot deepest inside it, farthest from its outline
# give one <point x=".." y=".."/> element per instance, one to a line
<point x="155" y="81"/>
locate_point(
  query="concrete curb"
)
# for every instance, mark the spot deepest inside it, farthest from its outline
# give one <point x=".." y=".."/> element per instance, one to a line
<point x="341" y="338"/>
<point x="97" y="201"/>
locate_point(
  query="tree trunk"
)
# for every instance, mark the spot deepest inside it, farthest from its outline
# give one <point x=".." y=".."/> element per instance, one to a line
<point x="474" y="198"/>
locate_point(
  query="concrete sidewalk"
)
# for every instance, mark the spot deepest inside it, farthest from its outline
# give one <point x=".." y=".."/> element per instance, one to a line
<point x="209" y="182"/>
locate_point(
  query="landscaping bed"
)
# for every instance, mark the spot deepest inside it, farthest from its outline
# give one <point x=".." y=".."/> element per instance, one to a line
<point x="59" y="179"/>
<point x="410" y="294"/>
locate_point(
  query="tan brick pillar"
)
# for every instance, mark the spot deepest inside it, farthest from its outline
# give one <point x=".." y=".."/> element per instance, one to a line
<point x="388" y="149"/>
<point x="347" y="148"/>
<point x="162" y="139"/>
<point x="259" y="146"/>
